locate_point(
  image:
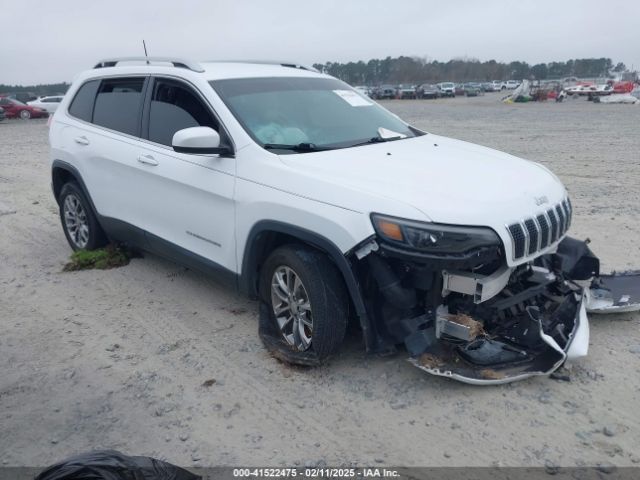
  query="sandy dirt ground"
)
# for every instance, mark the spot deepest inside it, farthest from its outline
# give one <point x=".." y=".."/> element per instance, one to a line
<point x="121" y="358"/>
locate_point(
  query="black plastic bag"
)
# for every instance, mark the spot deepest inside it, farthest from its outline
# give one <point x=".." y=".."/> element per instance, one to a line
<point x="113" y="465"/>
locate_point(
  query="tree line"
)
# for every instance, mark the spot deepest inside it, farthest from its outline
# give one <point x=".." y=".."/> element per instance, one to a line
<point x="41" y="89"/>
<point x="421" y="70"/>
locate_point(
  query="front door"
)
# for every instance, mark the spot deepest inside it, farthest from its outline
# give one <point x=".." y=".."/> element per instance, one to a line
<point x="185" y="201"/>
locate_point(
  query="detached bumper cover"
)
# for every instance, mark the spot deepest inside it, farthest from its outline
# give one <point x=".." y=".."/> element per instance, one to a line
<point x="446" y="360"/>
<point x="530" y="321"/>
<point x="616" y="293"/>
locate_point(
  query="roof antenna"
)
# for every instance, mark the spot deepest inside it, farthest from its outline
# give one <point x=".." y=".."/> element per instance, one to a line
<point x="145" y="51"/>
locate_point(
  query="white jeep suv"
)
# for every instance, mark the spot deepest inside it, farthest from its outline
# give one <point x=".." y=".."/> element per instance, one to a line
<point x="309" y="196"/>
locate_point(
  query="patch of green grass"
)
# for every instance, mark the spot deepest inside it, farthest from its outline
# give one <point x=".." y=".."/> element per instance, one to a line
<point x="112" y="256"/>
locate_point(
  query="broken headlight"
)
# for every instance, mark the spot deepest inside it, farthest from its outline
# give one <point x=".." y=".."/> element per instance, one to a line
<point x="433" y="237"/>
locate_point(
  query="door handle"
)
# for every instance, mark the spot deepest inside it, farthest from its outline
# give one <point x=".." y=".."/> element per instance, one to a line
<point x="82" y="140"/>
<point x="147" y="160"/>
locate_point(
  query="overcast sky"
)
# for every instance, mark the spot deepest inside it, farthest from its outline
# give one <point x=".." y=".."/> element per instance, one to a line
<point x="51" y="41"/>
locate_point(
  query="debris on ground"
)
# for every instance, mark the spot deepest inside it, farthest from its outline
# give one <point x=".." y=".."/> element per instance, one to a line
<point x="113" y="465"/>
<point x="490" y="374"/>
<point x="476" y="328"/>
<point x="560" y="376"/>
<point x="624" y="98"/>
<point x="112" y="256"/>
<point x="430" y="361"/>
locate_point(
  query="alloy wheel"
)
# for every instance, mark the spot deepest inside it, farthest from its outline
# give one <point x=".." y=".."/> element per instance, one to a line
<point x="75" y="220"/>
<point x="291" y="308"/>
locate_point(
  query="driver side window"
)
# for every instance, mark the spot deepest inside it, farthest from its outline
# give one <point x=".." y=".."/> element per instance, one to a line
<point x="175" y="106"/>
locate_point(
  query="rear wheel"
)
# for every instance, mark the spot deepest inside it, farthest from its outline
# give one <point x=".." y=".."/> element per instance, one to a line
<point x="25" y="114"/>
<point x="79" y="223"/>
<point x="304" y="311"/>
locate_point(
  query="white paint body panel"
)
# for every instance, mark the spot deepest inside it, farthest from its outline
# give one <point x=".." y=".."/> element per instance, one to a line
<point x="332" y="193"/>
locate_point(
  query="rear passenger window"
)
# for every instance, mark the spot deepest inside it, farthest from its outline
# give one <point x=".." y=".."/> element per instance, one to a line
<point x="82" y="104"/>
<point x="118" y="104"/>
<point x="173" y="107"/>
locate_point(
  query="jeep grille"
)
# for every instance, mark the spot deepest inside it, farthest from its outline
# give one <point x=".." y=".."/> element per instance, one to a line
<point x="530" y="235"/>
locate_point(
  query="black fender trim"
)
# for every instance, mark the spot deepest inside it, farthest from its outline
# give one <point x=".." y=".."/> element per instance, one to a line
<point x="62" y="165"/>
<point x="248" y="278"/>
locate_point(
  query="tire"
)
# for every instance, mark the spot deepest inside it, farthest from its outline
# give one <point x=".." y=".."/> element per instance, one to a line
<point x="321" y="325"/>
<point x="76" y="210"/>
<point x="25" y="114"/>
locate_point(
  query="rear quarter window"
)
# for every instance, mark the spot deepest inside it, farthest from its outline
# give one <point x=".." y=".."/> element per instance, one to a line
<point x="82" y="104"/>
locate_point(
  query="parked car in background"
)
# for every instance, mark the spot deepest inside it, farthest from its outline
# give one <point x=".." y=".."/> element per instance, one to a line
<point x="590" y="89"/>
<point x="582" y="89"/>
<point x="510" y="85"/>
<point x="487" y="87"/>
<point x="497" y="85"/>
<point x="447" y="89"/>
<point x="384" y="92"/>
<point x="623" y="87"/>
<point x="569" y="80"/>
<point x="471" y="89"/>
<point x="16" y="109"/>
<point x="23" y="97"/>
<point x="406" y="91"/>
<point x="363" y="90"/>
<point x="2" y="115"/>
<point x="604" y="89"/>
<point x="50" y="104"/>
<point x="427" y="90"/>
<point x="459" y="89"/>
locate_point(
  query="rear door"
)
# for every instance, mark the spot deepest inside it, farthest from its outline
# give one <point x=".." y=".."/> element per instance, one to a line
<point x="188" y="205"/>
<point x="106" y="142"/>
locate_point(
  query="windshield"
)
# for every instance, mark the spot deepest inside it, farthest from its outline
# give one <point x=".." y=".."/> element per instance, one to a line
<point x="319" y="113"/>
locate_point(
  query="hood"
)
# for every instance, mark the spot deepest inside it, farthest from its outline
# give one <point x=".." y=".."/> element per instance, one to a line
<point x="450" y="181"/>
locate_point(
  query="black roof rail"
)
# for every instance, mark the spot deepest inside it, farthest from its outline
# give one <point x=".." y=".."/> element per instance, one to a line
<point x="176" y="62"/>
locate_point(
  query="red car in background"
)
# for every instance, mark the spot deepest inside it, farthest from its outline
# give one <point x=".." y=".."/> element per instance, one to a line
<point x="623" y="87"/>
<point x="16" y="109"/>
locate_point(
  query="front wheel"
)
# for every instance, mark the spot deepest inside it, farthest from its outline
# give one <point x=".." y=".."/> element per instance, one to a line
<point x="25" y="114"/>
<point x="304" y="305"/>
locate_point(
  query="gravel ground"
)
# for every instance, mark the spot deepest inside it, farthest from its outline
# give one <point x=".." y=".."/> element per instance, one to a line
<point x="153" y="359"/>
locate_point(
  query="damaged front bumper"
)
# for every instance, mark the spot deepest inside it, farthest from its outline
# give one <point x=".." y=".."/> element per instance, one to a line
<point x="489" y="365"/>
<point x="486" y="323"/>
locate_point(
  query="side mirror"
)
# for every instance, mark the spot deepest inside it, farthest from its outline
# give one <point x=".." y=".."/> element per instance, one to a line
<point x="198" y="140"/>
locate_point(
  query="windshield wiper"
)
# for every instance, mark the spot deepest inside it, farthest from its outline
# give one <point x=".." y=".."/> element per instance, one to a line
<point x="378" y="140"/>
<point x="300" y="147"/>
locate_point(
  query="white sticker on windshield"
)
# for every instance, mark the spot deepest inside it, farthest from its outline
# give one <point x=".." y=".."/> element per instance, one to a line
<point x="352" y="98"/>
